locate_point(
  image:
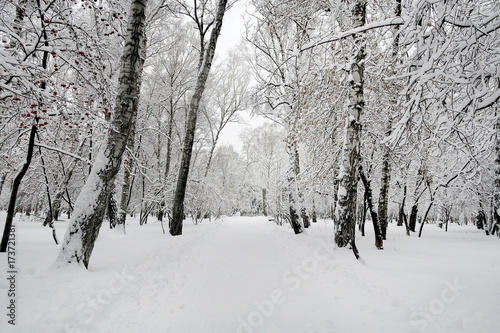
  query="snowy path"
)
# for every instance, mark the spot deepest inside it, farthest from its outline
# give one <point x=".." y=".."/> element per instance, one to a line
<point x="237" y="266"/>
<point x="247" y="275"/>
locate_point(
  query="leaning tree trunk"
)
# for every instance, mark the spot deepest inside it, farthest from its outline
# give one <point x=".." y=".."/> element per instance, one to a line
<point x="15" y="188"/>
<point x="205" y="64"/>
<point x="17" y="28"/>
<point x="348" y="177"/>
<point x="91" y="203"/>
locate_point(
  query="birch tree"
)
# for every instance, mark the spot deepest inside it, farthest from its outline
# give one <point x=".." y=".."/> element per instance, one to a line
<point x="348" y="173"/>
<point x="90" y="206"/>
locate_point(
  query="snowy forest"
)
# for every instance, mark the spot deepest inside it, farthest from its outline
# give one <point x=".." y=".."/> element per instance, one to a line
<point x="361" y="124"/>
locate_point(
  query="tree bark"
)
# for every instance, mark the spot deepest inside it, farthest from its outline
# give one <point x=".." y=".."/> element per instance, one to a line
<point x="15" y="188"/>
<point x="413" y="217"/>
<point x="379" y="240"/>
<point x="383" y="199"/>
<point x="129" y="159"/>
<point x="363" y="216"/>
<point x="205" y="64"/>
<point x="293" y="196"/>
<point x="17" y="28"/>
<point x="496" y="194"/>
<point x="348" y="178"/>
<point x="91" y="203"/>
<point x="2" y="182"/>
<point x="295" y="173"/>
<point x="402" y="207"/>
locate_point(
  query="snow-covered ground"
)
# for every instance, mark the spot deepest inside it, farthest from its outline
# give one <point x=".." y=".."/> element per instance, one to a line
<point x="249" y="275"/>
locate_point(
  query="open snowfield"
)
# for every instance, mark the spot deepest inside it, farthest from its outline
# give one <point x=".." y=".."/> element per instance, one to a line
<point x="250" y="275"/>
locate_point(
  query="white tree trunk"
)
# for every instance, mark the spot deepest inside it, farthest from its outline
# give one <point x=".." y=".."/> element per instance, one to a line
<point x="348" y="172"/>
<point x="129" y="160"/>
<point x="91" y="203"/>
<point x="293" y="194"/>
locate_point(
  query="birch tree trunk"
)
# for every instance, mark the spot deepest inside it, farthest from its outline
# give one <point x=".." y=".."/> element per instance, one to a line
<point x="293" y="195"/>
<point x="303" y="213"/>
<point x="205" y="64"/>
<point x="386" y="167"/>
<point x="348" y="173"/>
<point x="129" y="160"/>
<point x="91" y="203"/>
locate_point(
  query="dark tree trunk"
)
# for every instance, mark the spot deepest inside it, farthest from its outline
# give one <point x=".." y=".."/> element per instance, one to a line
<point x="402" y="208"/>
<point x="425" y="218"/>
<point x="15" y="188"/>
<point x="314" y="214"/>
<point x="205" y="64"/>
<point x="379" y="243"/>
<point x="383" y="199"/>
<point x="2" y="182"/>
<point x="112" y="209"/>
<point x="363" y="217"/>
<point x="413" y="217"/>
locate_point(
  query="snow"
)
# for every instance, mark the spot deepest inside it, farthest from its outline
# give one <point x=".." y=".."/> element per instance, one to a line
<point x="249" y="275"/>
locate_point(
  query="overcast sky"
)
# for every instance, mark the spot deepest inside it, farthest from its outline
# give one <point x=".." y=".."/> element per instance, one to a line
<point x="231" y="34"/>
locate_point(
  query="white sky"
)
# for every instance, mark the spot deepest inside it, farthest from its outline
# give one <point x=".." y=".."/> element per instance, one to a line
<point x="231" y="34"/>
